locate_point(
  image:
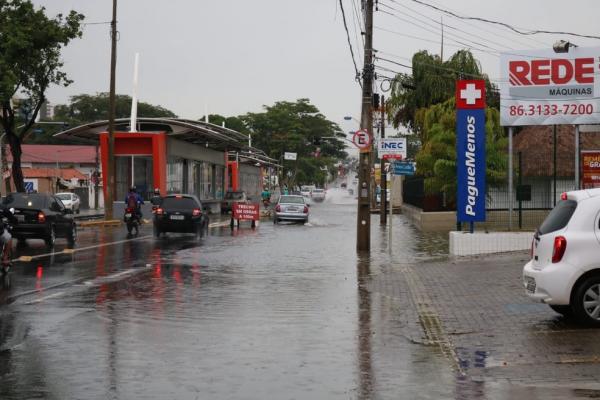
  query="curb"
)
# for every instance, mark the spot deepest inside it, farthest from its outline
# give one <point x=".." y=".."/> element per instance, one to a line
<point x="110" y="222"/>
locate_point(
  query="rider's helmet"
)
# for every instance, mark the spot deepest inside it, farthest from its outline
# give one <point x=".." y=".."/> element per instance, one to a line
<point x="157" y="191"/>
<point x="133" y="189"/>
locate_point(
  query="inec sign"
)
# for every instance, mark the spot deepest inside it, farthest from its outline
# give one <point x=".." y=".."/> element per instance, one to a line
<point x="541" y="87"/>
<point x="392" y="148"/>
<point x="470" y="150"/>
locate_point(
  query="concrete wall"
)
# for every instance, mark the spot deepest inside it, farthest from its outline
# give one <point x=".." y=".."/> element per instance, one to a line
<point x="466" y="244"/>
<point x="430" y="221"/>
<point x="178" y="148"/>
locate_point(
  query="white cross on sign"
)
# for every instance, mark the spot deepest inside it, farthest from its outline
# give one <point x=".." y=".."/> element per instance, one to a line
<point x="470" y="94"/>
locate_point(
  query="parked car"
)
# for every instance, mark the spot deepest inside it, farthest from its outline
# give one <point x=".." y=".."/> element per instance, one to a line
<point x="291" y="208"/>
<point x="318" y="195"/>
<point x="564" y="270"/>
<point x="41" y="216"/>
<point x="181" y="213"/>
<point x="230" y="198"/>
<point x="70" y="201"/>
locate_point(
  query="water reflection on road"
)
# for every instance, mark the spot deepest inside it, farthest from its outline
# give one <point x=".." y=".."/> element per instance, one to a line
<point x="282" y="311"/>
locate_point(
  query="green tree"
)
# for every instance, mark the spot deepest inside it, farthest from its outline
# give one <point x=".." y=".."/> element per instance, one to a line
<point x="85" y="108"/>
<point x="436" y="161"/>
<point x="433" y="82"/>
<point x="300" y="128"/>
<point x="30" y="45"/>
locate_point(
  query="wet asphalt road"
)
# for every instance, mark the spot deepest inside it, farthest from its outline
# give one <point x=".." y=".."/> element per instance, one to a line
<point x="277" y="312"/>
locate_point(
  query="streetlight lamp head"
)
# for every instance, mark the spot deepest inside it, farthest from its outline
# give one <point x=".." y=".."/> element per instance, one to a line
<point x="562" y="46"/>
<point x="348" y="118"/>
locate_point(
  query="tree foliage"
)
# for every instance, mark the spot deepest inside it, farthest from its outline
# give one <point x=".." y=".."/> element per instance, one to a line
<point x="300" y="128"/>
<point x="436" y="161"/>
<point x="30" y="46"/>
<point x="433" y="82"/>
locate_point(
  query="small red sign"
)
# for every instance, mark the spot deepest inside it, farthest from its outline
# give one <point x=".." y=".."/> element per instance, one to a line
<point x="246" y="211"/>
<point x="392" y="157"/>
<point x="362" y="140"/>
<point x="590" y="161"/>
<point x="470" y="94"/>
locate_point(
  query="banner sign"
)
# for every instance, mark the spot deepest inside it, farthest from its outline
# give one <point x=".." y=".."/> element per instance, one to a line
<point x="290" y="156"/>
<point x="246" y="211"/>
<point x="403" y="168"/>
<point x="590" y="161"/>
<point x="541" y="87"/>
<point x="470" y="150"/>
<point x="392" y="148"/>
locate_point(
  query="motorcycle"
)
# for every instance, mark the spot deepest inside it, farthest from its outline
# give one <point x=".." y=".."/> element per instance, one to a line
<point x="132" y="220"/>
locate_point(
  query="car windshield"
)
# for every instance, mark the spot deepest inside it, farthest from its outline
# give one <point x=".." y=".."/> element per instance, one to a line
<point x="559" y="217"/>
<point x="24" y="201"/>
<point x="292" y="199"/>
<point x="64" y="196"/>
<point x="318" y="191"/>
<point x="179" y="203"/>
<point x="234" y="195"/>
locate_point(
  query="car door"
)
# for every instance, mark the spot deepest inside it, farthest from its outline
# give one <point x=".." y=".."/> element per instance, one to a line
<point x="62" y="221"/>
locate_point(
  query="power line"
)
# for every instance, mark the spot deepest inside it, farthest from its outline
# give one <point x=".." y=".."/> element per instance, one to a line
<point x="349" y="43"/>
<point x="489" y="21"/>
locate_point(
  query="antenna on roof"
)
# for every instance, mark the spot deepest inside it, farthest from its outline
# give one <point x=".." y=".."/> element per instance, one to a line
<point x="205" y="111"/>
<point x="134" y="100"/>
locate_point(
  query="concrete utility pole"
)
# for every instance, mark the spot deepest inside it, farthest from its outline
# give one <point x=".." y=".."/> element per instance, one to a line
<point x="109" y="177"/>
<point x="363" y="227"/>
<point x="383" y="196"/>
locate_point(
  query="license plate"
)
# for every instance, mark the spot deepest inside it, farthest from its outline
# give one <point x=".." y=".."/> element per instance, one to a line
<point x="177" y="217"/>
<point x="128" y="215"/>
<point x="530" y="284"/>
<point x="292" y="209"/>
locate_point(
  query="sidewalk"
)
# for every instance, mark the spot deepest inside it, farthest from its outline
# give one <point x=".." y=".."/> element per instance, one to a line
<point x="475" y="313"/>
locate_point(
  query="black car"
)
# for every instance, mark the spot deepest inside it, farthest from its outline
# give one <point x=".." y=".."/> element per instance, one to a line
<point x="41" y="216"/>
<point x="180" y="213"/>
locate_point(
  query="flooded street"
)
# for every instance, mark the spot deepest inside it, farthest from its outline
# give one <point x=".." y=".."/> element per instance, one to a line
<point x="283" y="311"/>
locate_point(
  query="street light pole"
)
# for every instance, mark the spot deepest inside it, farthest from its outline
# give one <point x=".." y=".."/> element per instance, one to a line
<point x="383" y="174"/>
<point x="363" y="223"/>
<point x="110" y="168"/>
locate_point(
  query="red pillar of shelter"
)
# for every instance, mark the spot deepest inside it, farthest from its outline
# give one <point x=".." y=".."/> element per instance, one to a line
<point x="131" y="144"/>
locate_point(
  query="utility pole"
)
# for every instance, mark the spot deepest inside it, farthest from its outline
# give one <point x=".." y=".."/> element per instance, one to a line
<point x="383" y="196"/>
<point x="109" y="177"/>
<point x="363" y="226"/>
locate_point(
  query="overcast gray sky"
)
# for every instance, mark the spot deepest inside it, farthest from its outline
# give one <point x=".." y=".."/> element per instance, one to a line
<point x="237" y="55"/>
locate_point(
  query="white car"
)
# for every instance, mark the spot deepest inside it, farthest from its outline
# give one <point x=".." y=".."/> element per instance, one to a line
<point x="564" y="271"/>
<point x="318" y="194"/>
<point x="306" y="191"/>
<point x="70" y="200"/>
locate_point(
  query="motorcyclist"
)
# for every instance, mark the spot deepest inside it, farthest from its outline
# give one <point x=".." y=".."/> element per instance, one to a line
<point x="134" y="200"/>
<point x="6" y="217"/>
<point x="156" y="198"/>
<point x="266" y="196"/>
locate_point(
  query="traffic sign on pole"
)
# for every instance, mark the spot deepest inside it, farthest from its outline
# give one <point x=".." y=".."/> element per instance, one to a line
<point x="362" y="140"/>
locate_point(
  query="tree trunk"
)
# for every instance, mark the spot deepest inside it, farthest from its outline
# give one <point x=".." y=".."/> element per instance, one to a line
<point x="15" y="150"/>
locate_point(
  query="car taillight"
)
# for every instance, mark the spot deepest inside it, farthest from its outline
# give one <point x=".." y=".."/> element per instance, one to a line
<point x="278" y="208"/>
<point x="305" y="209"/>
<point x="560" y="245"/>
<point x="196" y="212"/>
<point x="129" y="210"/>
<point x="41" y="217"/>
<point x="563" y="196"/>
<point x="160" y="211"/>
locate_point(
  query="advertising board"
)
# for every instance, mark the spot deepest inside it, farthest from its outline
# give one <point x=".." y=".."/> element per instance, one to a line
<point x="541" y="87"/>
<point x="246" y="211"/>
<point x="392" y="148"/>
<point x="590" y="166"/>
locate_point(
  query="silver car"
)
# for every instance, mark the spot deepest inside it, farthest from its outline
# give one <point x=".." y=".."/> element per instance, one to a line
<point x="291" y="208"/>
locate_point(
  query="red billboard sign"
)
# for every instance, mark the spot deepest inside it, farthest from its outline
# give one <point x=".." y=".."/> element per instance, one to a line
<point x="590" y="161"/>
<point x="246" y="212"/>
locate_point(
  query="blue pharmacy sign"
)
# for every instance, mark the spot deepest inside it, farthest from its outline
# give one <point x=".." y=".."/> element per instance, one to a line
<point x="470" y="150"/>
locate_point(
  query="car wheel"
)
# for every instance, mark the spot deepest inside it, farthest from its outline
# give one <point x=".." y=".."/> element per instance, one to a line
<point x="566" y="311"/>
<point x="72" y="236"/>
<point x="51" y="237"/>
<point x="586" y="301"/>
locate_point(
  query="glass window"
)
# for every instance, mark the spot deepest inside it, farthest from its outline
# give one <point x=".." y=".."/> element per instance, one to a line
<point x="292" y="199"/>
<point x="559" y="217"/>
<point x="175" y="175"/>
<point x="18" y="200"/>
